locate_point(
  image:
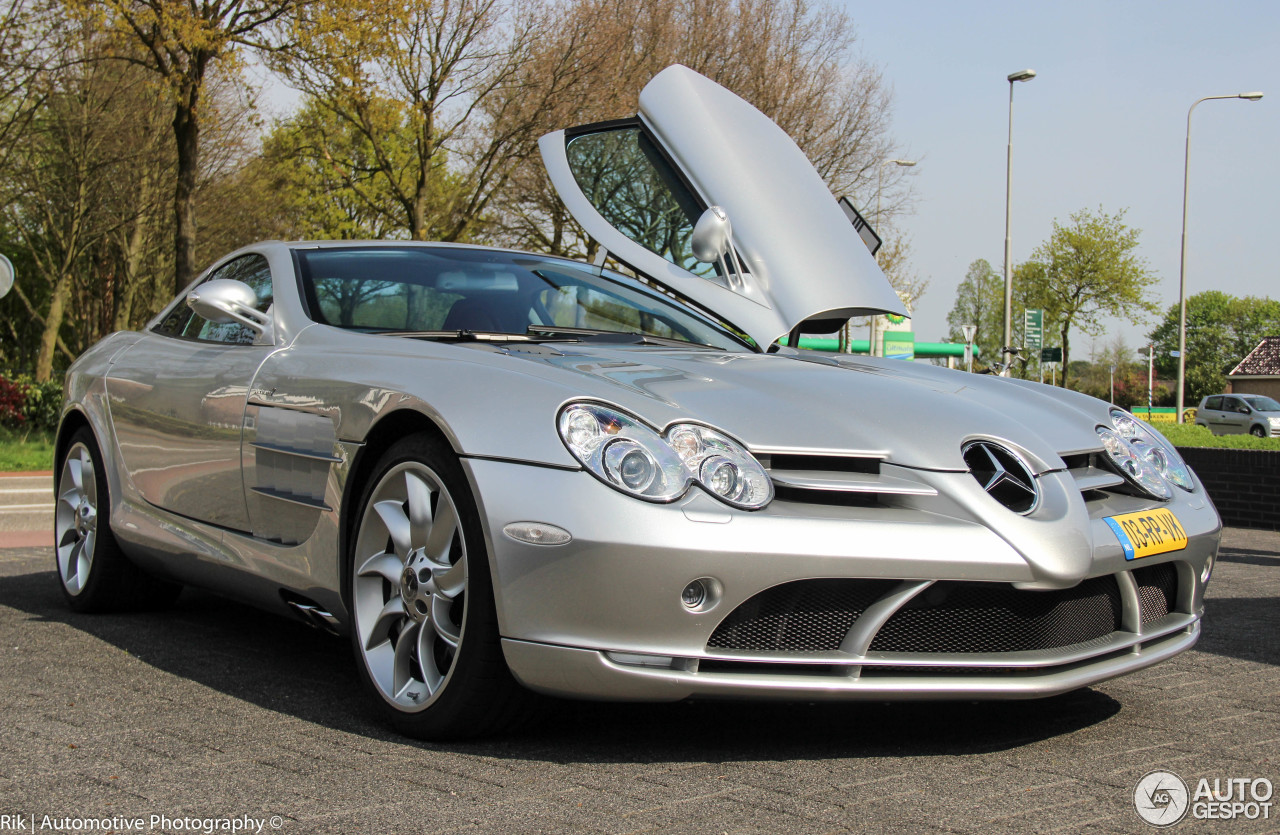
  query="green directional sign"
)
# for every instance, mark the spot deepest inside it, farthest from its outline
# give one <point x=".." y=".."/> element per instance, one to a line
<point x="1033" y="329"/>
<point x="1051" y="355"/>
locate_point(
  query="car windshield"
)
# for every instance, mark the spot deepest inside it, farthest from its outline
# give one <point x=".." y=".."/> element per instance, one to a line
<point x="1262" y="404"/>
<point x="416" y="290"/>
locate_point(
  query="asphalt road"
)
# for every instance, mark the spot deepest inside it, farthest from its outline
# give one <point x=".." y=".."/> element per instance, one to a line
<point x="213" y="711"/>
<point x="26" y="509"/>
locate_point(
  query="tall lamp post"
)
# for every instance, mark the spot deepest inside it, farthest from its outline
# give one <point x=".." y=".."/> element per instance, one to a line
<point x="1182" y="262"/>
<point x="1007" y="350"/>
<point x="905" y="163"/>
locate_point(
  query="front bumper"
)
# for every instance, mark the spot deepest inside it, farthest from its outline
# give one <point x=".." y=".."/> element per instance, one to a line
<point x="602" y="617"/>
<point x="591" y="674"/>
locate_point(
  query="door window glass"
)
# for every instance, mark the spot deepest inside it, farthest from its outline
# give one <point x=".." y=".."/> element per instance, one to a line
<point x="632" y="185"/>
<point x="182" y="321"/>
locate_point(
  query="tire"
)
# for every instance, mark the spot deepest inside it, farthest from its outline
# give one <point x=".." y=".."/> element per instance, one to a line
<point x="1257" y="431"/>
<point x="423" y="622"/>
<point x="93" y="571"/>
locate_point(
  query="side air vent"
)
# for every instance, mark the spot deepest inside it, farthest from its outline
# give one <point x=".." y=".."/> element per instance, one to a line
<point x="1003" y="475"/>
<point x="837" y="480"/>
<point x="824" y="463"/>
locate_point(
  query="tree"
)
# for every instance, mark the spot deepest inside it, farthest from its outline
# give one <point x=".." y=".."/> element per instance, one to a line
<point x="446" y="98"/>
<point x="1087" y="270"/>
<point x="63" y="169"/>
<point x="28" y="41"/>
<point x="181" y="41"/>
<point x="979" y="302"/>
<point x="1221" y="330"/>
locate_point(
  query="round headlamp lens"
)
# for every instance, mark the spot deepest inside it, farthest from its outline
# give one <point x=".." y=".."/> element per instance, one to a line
<point x="632" y="466"/>
<point x="722" y="477"/>
<point x="581" y="429"/>
<point x="685" y="441"/>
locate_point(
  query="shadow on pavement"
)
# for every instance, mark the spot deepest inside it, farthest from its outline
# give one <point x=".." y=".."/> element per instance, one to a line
<point x="1247" y="628"/>
<point x="283" y="666"/>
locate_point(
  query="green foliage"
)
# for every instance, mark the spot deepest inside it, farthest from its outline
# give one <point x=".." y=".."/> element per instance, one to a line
<point x="26" y="404"/>
<point x="1190" y="435"/>
<point x="330" y="180"/>
<point x="1221" y="330"/>
<point x="1086" y="271"/>
<point x="44" y="404"/>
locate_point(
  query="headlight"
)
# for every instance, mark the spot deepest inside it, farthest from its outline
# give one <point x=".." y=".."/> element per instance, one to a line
<point x="1154" y="448"/>
<point x="1133" y="465"/>
<point x="630" y="456"/>
<point x="1274" y="421"/>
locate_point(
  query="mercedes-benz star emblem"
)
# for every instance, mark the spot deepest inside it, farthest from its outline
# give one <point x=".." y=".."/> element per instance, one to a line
<point x="1002" y="475"/>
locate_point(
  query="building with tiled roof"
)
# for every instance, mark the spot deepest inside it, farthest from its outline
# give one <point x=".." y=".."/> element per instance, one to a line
<point x="1259" y="372"/>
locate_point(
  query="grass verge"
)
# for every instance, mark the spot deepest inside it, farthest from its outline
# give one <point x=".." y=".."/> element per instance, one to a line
<point x="25" y="450"/>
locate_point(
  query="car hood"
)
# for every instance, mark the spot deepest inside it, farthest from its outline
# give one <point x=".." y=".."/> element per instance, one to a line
<point x="910" y="414"/>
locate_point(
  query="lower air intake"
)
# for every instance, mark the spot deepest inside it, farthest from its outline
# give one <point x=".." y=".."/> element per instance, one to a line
<point x="993" y="617"/>
<point x="1157" y="590"/>
<point x="802" y="616"/>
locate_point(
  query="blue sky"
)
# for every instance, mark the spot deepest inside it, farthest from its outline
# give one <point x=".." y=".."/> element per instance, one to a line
<point x="1103" y="124"/>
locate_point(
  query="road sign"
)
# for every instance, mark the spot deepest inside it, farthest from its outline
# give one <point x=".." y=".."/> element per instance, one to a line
<point x="968" y="331"/>
<point x="1051" y="355"/>
<point x="1033" y="328"/>
<point x="6" y="276"/>
<point x="1175" y="354"/>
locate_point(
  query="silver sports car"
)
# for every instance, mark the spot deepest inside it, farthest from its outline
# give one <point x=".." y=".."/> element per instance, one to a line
<point x="499" y="471"/>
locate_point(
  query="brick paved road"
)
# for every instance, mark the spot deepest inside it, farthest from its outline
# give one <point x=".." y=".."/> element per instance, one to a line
<point x="213" y="709"/>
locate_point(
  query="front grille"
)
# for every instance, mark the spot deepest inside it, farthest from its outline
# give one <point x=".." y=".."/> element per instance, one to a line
<point x="991" y="617"/>
<point x="803" y="616"/>
<point x="1157" y="590"/>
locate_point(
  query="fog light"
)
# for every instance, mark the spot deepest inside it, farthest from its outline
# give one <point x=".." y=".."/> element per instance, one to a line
<point x="694" y="594"/>
<point x="537" y="533"/>
<point x="1207" y="570"/>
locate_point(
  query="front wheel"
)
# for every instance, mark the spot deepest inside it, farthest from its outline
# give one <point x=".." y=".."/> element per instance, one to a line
<point x="94" y="573"/>
<point x="1257" y="431"/>
<point x="424" y="622"/>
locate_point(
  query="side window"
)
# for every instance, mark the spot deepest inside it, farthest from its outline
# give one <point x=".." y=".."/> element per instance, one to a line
<point x="1214" y="403"/>
<point x="183" y="322"/>
<point x="633" y="186"/>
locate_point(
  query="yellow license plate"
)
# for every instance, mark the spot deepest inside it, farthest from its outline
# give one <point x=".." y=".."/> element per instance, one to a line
<point x="1148" y="532"/>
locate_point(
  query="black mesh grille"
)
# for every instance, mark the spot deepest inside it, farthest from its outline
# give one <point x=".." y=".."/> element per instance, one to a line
<point x="993" y="617"/>
<point x="1157" y="590"/>
<point x="803" y="616"/>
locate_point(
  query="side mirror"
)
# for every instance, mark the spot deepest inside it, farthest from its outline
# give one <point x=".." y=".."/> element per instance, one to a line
<point x="226" y="300"/>
<point x="712" y="239"/>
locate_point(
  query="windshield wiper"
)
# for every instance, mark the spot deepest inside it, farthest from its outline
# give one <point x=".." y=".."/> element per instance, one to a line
<point x="464" y="335"/>
<point x="599" y="335"/>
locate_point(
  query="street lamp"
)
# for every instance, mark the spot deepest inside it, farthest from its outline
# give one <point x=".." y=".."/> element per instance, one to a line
<point x="905" y="163"/>
<point x="1182" y="263"/>
<point x="1007" y="351"/>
